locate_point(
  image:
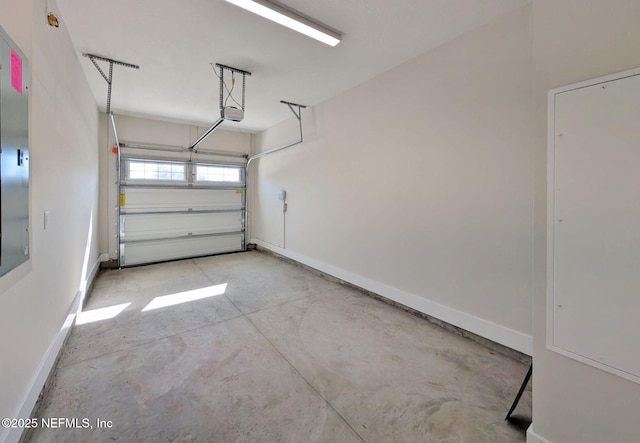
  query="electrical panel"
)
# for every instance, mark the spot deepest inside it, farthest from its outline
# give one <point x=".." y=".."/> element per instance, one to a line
<point x="14" y="155"/>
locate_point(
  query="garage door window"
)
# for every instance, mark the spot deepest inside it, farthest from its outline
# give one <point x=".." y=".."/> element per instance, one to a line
<point x="155" y="171"/>
<point x="220" y="174"/>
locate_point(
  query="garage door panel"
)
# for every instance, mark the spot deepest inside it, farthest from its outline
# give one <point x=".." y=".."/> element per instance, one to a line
<point x="158" y="226"/>
<point x="166" y="200"/>
<point x="155" y="251"/>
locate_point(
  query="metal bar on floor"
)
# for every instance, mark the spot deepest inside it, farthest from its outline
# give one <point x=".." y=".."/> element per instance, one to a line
<point x="520" y="392"/>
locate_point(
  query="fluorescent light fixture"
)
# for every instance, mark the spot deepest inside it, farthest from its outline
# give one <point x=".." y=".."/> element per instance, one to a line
<point x="292" y="20"/>
<point x="100" y="314"/>
<point x="186" y="296"/>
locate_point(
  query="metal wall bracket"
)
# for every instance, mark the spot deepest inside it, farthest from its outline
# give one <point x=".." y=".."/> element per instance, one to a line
<point x="232" y="69"/>
<point x="298" y="115"/>
<point x="291" y="105"/>
<point x="108" y="78"/>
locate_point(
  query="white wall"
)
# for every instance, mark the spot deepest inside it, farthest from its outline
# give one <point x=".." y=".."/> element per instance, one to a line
<point x="419" y="183"/>
<point x="36" y="298"/>
<point x="152" y="132"/>
<point x="576" y="40"/>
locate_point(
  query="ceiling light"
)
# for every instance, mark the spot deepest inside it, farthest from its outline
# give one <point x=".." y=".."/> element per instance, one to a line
<point x="292" y="20"/>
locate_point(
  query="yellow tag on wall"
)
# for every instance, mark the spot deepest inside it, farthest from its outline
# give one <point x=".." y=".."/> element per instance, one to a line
<point x="121" y="199"/>
<point x="238" y="191"/>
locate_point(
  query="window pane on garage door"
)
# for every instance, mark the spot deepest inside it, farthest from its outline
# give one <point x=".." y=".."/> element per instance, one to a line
<point x="218" y="173"/>
<point x="156" y="171"/>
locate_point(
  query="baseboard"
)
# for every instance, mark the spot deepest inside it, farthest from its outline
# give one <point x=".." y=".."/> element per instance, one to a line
<point x="532" y="437"/>
<point x="44" y="369"/>
<point x="47" y="364"/>
<point x="93" y="273"/>
<point x="489" y="330"/>
<point x="90" y="279"/>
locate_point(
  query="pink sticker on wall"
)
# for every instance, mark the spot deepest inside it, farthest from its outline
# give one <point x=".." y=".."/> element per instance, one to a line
<point x="16" y="72"/>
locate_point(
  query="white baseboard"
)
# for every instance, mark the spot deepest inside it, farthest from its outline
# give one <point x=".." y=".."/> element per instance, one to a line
<point x="43" y="371"/>
<point x="532" y="437"/>
<point x="484" y="328"/>
<point x="94" y="271"/>
<point x="46" y="364"/>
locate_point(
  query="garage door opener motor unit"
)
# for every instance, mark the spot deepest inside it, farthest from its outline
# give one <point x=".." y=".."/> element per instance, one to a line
<point x="227" y="113"/>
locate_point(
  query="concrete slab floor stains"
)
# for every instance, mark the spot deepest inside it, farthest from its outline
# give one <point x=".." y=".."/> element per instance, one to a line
<point x="281" y="356"/>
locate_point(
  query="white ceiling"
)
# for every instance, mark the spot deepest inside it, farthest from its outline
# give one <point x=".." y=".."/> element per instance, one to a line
<point x="175" y="41"/>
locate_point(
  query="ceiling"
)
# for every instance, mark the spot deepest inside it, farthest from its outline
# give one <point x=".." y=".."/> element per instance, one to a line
<point x="174" y="43"/>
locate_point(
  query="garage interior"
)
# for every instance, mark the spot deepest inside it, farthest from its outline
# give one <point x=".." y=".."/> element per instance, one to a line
<point x="220" y="229"/>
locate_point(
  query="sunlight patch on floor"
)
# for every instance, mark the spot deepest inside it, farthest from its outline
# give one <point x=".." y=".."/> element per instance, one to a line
<point x="100" y="314"/>
<point x="186" y="296"/>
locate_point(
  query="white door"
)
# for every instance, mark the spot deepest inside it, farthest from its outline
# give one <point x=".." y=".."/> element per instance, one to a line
<point x="172" y="209"/>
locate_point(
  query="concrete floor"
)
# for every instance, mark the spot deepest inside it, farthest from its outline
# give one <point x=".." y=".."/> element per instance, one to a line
<point x="282" y="356"/>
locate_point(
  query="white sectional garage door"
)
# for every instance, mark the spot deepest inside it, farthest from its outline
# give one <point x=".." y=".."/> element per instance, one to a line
<point x="173" y="209"/>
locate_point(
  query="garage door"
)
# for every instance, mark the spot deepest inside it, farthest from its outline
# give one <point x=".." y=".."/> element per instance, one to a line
<point x="174" y="209"/>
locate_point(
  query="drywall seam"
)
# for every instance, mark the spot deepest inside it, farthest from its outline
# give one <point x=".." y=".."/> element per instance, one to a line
<point x="47" y="363"/>
<point x="492" y="331"/>
<point x="532" y="437"/>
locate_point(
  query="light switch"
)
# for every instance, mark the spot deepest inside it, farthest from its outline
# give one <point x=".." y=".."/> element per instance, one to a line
<point x="46" y="219"/>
